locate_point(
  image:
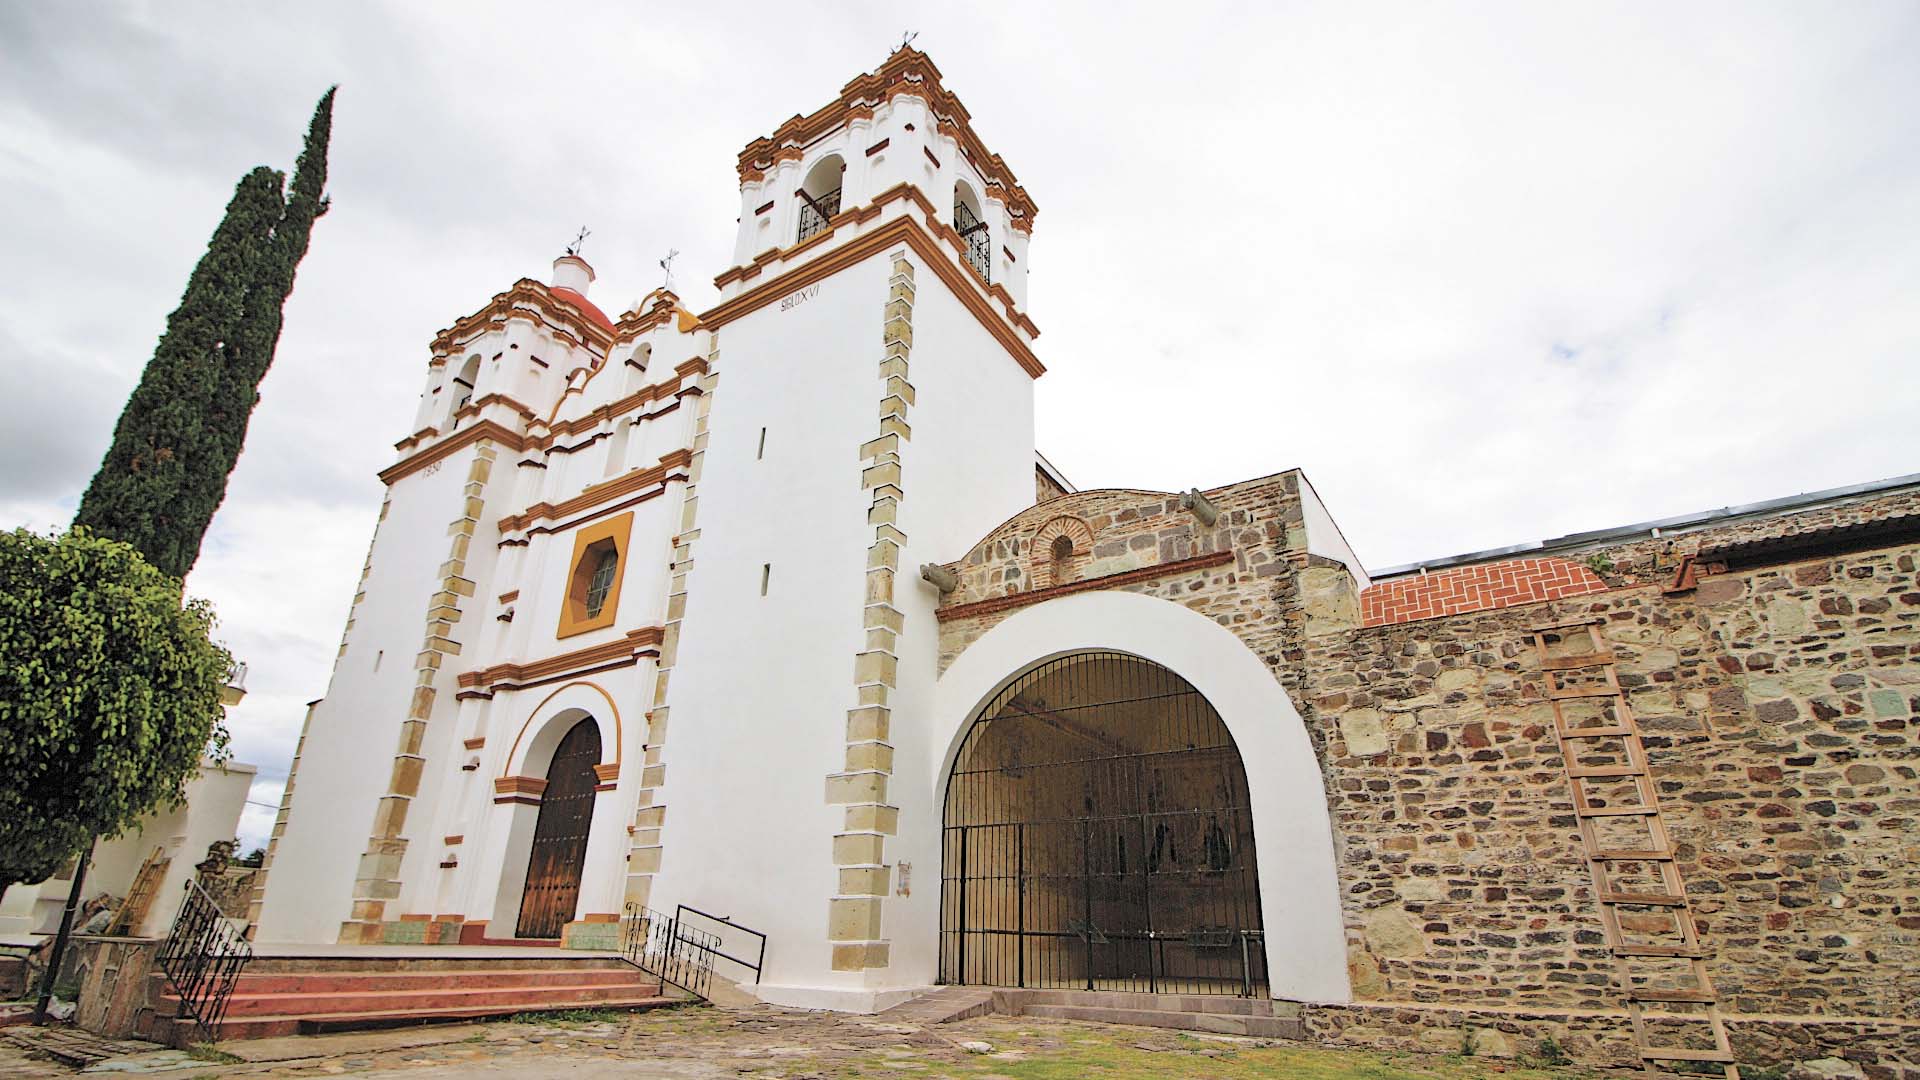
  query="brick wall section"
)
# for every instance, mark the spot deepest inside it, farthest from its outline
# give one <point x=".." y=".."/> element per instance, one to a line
<point x="1778" y="706"/>
<point x="1475" y="588"/>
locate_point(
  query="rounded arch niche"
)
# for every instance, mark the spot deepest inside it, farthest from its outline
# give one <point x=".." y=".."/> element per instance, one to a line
<point x="1297" y="885"/>
<point x="1097" y="834"/>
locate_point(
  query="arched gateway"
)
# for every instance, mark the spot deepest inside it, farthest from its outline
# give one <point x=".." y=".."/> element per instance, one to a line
<point x="1098" y="834"/>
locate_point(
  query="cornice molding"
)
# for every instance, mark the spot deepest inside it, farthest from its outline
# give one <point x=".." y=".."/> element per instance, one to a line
<point x="963" y="283"/>
<point x="622" y="652"/>
<point x="526" y="299"/>
<point x="1110" y="581"/>
<point x="596" y="494"/>
<point x="907" y="73"/>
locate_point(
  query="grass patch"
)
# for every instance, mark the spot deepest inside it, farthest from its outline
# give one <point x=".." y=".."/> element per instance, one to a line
<point x="570" y="1017"/>
<point x="1106" y="1060"/>
<point x="211" y="1053"/>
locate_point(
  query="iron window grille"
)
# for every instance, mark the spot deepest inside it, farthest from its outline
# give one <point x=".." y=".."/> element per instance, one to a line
<point x="974" y="232"/>
<point x="816" y="211"/>
<point x="602" y="582"/>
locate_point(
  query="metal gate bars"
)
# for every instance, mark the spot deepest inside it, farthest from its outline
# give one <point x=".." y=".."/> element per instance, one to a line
<point x="1098" y="836"/>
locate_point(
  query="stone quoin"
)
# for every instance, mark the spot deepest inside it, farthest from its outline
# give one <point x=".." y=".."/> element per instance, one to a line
<point x="1133" y="740"/>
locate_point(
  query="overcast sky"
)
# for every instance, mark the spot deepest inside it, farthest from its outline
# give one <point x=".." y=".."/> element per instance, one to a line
<point x="1488" y="273"/>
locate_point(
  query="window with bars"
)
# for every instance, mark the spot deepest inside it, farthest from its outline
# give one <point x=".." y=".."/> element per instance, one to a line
<point x="974" y="232"/>
<point x="816" y="211"/>
<point x="602" y="581"/>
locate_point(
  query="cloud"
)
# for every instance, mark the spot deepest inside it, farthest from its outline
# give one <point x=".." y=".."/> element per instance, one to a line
<point x="1489" y="274"/>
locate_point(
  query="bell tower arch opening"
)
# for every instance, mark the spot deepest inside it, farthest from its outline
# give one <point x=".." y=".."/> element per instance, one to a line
<point x="1098" y="835"/>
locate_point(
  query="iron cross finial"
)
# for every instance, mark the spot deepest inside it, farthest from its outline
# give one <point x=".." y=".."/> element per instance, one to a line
<point x="667" y="265"/>
<point x="579" y="242"/>
<point x="906" y="39"/>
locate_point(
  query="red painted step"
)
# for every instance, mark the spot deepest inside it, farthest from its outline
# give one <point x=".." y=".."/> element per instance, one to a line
<point x="345" y="982"/>
<point x="510" y="998"/>
<point x="289" y="1001"/>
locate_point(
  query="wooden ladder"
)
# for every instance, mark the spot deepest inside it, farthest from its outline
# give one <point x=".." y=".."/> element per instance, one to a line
<point x="1658" y="960"/>
<point x="133" y="910"/>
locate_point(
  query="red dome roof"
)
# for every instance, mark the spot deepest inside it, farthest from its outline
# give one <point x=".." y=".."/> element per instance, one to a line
<point x="585" y="305"/>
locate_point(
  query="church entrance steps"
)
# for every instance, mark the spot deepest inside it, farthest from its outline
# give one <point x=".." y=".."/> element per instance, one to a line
<point x="1215" y="1014"/>
<point x="1254" y="1017"/>
<point x="294" y="995"/>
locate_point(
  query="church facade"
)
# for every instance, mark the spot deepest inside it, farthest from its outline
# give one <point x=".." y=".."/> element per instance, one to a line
<point x="772" y="611"/>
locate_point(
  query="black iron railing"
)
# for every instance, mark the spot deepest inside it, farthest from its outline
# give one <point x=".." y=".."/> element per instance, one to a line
<point x="203" y="957"/>
<point x="816" y="211"/>
<point x="730" y="929"/>
<point x="667" y="948"/>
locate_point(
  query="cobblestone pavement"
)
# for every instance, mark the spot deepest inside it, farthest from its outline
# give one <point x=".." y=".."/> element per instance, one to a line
<point x="764" y="1043"/>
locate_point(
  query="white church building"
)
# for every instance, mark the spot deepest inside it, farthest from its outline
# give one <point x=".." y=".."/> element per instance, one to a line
<point x="772" y="611"/>
<point x="642" y="621"/>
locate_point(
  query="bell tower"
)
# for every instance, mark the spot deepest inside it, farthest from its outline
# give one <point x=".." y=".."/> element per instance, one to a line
<point x="872" y="410"/>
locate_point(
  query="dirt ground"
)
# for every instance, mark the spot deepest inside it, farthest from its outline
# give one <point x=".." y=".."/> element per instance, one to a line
<point x="764" y="1043"/>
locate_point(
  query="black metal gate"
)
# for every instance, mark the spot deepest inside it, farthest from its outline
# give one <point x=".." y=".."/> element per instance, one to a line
<point x="1098" y="837"/>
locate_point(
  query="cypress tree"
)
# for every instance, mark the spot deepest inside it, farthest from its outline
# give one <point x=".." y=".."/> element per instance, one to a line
<point x="248" y="352"/>
<point x="144" y="491"/>
<point x="182" y="430"/>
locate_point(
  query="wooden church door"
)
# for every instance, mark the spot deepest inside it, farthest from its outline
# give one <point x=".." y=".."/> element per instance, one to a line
<point x="560" y="835"/>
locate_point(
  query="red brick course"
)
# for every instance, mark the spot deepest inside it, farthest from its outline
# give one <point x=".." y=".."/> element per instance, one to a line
<point x="1475" y="588"/>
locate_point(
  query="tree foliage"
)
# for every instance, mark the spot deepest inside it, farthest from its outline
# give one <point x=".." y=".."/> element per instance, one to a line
<point x="109" y="694"/>
<point x="152" y="489"/>
<point x="181" y="433"/>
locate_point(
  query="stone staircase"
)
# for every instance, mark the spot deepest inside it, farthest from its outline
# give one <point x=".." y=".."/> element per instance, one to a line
<point x="306" y="995"/>
<point x="1254" y="1017"/>
<point x="1257" y="1017"/>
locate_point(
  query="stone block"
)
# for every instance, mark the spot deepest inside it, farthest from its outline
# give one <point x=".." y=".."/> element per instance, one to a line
<point x="857" y="787"/>
<point x="875" y="667"/>
<point x="644" y="860"/>
<point x="859" y="849"/>
<point x="853" y="918"/>
<point x="873" y="817"/>
<point x="866" y="880"/>
<point x="864" y="756"/>
<point x="868" y="722"/>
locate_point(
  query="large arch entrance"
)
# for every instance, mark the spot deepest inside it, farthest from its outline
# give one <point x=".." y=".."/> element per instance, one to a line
<point x="559" y="851"/>
<point x="1098" y="835"/>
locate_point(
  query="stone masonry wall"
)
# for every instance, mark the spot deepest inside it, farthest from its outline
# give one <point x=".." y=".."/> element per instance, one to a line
<point x="1778" y="709"/>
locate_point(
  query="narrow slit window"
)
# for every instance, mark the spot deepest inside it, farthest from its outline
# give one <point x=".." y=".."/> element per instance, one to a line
<point x="762" y="451"/>
<point x="766" y="577"/>
<point x="602" y="581"/>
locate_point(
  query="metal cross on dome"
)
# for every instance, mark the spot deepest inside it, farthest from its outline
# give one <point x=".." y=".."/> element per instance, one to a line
<point x="579" y="242"/>
<point x="667" y="265"/>
<point x="906" y="39"/>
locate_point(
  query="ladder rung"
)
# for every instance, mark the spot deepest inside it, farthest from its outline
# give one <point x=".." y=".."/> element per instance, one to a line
<point x="1586" y="660"/>
<point x="1578" y="771"/>
<point x="1593" y="732"/>
<point x="1558" y="694"/>
<point x="1551" y="627"/>
<point x="1681" y="952"/>
<point x="1682" y="1053"/>
<point x="1642" y="899"/>
<point x="1615" y="811"/>
<point x="1625" y="855"/>
<point x="1692" y="997"/>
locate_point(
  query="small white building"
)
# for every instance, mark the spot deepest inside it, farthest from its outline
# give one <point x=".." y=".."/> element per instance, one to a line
<point x="173" y="839"/>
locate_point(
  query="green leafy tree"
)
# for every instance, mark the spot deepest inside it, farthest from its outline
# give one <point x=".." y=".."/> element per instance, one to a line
<point x="109" y="694"/>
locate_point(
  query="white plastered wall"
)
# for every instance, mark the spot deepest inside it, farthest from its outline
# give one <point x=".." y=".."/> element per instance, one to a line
<point x="1299" y="887"/>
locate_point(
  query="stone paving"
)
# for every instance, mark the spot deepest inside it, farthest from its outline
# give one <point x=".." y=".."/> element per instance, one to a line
<point x="765" y="1043"/>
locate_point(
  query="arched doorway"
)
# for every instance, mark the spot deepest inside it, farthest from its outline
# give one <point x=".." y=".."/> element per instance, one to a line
<point x="1098" y="835"/>
<point x="559" y="851"/>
